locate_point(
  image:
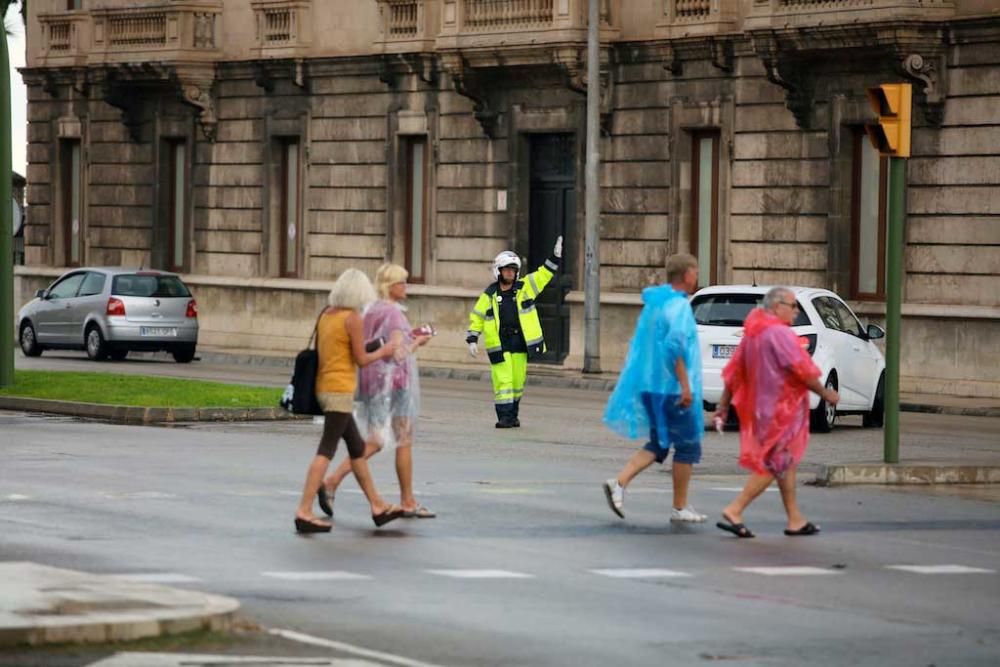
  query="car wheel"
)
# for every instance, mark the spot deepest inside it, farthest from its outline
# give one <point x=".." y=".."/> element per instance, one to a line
<point x="183" y="354"/>
<point x="823" y="417"/>
<point x="875" y="418"/>
<point x="97" y="349"/>
<point x="118" y="353"/>
<point x="29" y="341"/>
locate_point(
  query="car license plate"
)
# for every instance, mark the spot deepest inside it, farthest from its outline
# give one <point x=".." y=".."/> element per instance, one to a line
<point x="157" y="331"/>
<point x="723" y="351"/>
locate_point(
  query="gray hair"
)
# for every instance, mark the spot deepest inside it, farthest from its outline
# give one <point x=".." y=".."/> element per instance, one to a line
<point x="775" y="295"/>
<point x="352" y="290"/>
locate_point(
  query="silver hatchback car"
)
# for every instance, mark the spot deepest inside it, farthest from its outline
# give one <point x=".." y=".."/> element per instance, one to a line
<point x="110" y="311"/>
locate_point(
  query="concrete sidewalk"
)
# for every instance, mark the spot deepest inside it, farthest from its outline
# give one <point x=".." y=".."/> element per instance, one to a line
<point x="47" y="605"/>
<point x="546" y="375"/>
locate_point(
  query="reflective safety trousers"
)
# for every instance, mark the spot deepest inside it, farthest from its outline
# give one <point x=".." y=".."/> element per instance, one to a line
<point x="485" y="316"/>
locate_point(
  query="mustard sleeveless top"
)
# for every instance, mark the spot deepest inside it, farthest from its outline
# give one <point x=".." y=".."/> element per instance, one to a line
<point x="337" y="373"/>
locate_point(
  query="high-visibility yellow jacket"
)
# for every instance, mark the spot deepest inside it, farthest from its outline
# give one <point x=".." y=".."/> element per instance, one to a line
<point x="485" y="316"/>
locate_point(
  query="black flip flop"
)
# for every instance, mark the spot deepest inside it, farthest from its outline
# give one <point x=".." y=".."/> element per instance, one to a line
<point x="809" y="529"/>
<point x="325" y="501"/>
<point x="307" y="526"/>
<point x="387" y="516"/>
<point x="737" y="529"/>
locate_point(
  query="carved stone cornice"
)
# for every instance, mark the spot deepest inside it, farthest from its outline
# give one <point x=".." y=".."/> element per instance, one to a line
<point x="572" y="61"/>
<point x="794" y="58"/>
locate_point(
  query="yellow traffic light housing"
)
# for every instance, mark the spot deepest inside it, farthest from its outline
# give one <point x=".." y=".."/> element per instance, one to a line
<point x="893" y="103"/>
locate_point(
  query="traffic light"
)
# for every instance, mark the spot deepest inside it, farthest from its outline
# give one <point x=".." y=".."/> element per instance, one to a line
<point x="892" y="102"/>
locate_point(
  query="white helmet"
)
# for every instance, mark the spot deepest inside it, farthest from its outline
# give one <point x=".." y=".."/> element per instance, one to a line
<point x="506" y="258"/>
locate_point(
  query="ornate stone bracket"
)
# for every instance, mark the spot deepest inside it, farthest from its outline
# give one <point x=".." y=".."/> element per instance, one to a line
<point x="199" y="95"/>
<point x="265" y="72"/>
<point x="122" y="96"/>
<point x="799" y="88"/>
<point x="571" y="63"/>
<point x="392" y="66"/>
<point x="468" y="85"/>
<point x="722" y="54"/>
<point x="930" y="75"/>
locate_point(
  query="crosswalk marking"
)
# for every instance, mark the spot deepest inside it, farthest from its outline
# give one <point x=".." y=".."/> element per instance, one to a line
<point x="482" y="574"/>
<point x="157" y="578"/>
<point x="329" y="575"/>
<point x="640" y="573"/>
<point x="940" y="569"/>
<point x="789" y="570"/>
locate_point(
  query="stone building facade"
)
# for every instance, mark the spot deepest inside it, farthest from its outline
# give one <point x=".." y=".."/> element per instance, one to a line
<point x="260" y="147"/>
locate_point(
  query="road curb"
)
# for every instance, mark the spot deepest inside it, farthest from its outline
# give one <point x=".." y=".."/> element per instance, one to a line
<point x="907" y="473"/>
<point x="128" y="414"/>
<point x="47" y="605"/>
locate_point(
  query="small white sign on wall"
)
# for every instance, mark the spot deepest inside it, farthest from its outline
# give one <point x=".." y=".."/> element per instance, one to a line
<point x="501" y="200"/>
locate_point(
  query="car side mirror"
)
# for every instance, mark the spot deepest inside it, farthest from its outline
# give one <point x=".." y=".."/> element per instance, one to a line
<point x="875" y="332"/>
<point x="41" y="294"/>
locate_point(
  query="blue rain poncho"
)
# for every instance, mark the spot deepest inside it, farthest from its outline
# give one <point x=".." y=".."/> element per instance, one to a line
<point x="665" y="331"/>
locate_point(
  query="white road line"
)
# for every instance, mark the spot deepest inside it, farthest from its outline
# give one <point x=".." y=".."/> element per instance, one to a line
<point x="16" y="497"/>
<point x="329" y="575"/>
<point x="157" y="578"/>
<point x="640" y="573"/>
<point x="482" y="574"/>
<point x="940" y="569"/>
<point x="349" y="648"/>
<point x="790" y="570"/>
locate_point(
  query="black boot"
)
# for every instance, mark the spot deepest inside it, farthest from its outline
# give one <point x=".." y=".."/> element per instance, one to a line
<point x="505" y="415"/>
<point x="515" y="420"/>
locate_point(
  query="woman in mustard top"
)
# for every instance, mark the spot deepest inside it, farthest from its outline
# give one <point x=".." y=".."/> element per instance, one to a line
<point x="341" y="345"/>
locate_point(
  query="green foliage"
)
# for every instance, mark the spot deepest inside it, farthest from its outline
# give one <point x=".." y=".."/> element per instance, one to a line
<point x="138" y="390"/>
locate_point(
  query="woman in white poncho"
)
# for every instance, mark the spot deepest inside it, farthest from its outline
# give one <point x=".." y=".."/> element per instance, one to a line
<point x="388" y="400"/>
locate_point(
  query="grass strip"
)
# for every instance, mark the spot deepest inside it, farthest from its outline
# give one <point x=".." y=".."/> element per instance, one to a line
<point x="138" y="390"/>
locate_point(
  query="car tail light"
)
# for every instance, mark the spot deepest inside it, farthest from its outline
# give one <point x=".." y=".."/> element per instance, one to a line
<point x="116" y="307"/>
<point x="192" y="309"/>
<point x="809" y="342"/>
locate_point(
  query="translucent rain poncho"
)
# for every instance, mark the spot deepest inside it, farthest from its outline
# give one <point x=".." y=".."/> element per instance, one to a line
<point x="388" y="398"/>
<point x="767" y="378"/>
<point x="665" y="331"/>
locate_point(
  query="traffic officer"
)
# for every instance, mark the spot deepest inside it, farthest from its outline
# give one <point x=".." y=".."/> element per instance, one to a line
<point x="506" y="316"/>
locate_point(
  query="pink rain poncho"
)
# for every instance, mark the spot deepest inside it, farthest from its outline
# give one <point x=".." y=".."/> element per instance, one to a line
<point x="388" y="398"/>
<point x="767" y="378"/>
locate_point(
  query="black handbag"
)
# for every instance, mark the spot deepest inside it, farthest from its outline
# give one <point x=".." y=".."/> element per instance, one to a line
<point x="300" y="394"/>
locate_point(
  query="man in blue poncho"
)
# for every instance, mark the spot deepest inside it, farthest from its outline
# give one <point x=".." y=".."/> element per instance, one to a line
<point x="659" y="390"/>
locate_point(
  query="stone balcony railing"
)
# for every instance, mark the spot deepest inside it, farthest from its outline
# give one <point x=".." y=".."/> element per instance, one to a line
<point x="65" y="38"/>
<point x="427" y="25"/>
<point x="771" y="14"/>
<point x="691" y="18"/>
<point x="165" y="32"/>
<point x="284" y="28"/>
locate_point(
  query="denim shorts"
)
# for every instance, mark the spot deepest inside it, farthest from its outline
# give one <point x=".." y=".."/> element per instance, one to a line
<point x="672" y="426"/>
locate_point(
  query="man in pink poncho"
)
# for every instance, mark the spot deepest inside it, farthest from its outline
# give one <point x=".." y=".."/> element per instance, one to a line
<point x="768" y="380"/>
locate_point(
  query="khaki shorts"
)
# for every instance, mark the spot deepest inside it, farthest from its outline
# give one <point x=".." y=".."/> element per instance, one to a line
<point x="335" y="402"/>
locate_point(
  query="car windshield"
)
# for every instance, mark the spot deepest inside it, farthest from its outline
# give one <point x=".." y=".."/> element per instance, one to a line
<point x="729" y="310"/>
<point x="138" y="284"/>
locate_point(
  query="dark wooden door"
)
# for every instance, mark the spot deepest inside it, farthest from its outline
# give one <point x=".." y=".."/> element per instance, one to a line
<point x="552" y="210"/>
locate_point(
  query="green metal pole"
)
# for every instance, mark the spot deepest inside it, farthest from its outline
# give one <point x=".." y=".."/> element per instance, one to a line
<point x="893" y="306"/>
<point x="6" y="220"/>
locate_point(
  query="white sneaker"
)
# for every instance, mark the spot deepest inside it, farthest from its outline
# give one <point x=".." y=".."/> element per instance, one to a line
<point x="686" y="515"/>
<point x="615" y="494"/>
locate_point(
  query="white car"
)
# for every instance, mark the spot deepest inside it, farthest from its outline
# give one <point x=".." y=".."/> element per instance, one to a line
<point x="842" y="348"/>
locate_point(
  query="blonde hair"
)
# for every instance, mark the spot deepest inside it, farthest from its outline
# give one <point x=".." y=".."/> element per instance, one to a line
<point x="388" y="275"/>
<point x="678" y="265"/>
<point x="352" y="290"/>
